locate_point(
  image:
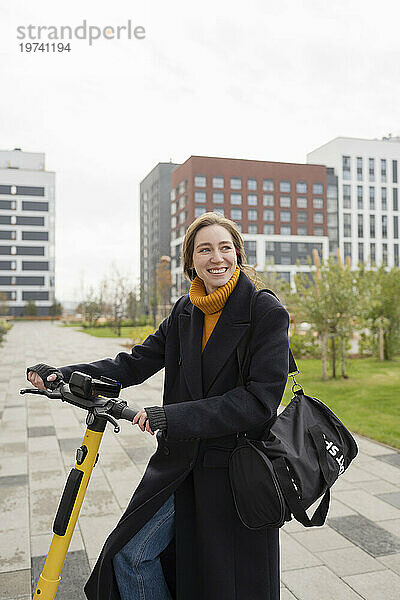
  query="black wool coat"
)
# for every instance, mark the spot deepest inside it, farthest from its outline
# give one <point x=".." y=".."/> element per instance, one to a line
<point x="213" y="556"/>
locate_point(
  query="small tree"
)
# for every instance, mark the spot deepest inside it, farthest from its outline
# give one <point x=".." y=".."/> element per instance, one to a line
<point x="30" y="309"/>
<point x="163" y="285"/>
<point x="55" y="309"/>
<point x="3" y="304"/>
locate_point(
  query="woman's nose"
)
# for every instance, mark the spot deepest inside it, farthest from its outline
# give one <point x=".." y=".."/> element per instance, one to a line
<point x="216" y="256"/>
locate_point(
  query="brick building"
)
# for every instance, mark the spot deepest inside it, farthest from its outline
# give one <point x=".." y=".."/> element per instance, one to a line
<point x="280" y="208"/>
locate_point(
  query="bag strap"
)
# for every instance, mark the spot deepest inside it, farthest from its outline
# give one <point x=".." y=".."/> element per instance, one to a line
<point x="294" y="501"/>
<point x="243" y="360"/>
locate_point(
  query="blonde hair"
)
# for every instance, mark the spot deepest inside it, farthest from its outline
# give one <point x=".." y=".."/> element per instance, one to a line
<point x="212" y="218"/>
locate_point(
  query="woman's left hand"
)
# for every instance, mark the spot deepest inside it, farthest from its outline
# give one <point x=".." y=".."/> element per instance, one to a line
<point x="142" y="420"/>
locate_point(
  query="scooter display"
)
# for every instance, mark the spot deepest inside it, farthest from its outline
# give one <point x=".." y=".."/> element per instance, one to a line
<point x="99" y="397"/>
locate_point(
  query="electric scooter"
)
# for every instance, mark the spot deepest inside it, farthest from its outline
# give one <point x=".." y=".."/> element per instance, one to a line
<point x="100" y="398"/>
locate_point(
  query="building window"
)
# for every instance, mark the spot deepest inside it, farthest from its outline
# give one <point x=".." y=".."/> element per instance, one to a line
<point x="218" y="182"/>
<point x="359" y="168"/>
<point x="302" y="216"/>
<point x="182" y="201"/>
<point x="268" y="185"/>
<point x="200" y="181"/>
<point x="182" y="215"/>
<point x="252" y="199"/>
<point x="394" y="171"/>
<point x="371" y="226"/>
<point x="347" y="249"/>
<point x="285" y="247"/>
<point x="301" y="187"/>
<point x="219" y="210"/>
<point x="318" y="231"/>
<point x="218" y="197"/>
<point x="361" y="252"/>
<point x="286" y="230"/>
<point x="236" y="199"/>
<point x="301" y="230"/>
<point x="236" y="183"/>
<point x="318" y="188"/>
<point x="346" y="167"/>
<point x="252" y="228"/>
<point x="395" y="199"/>
<point x="385" y="254"/>
<point x="301" y="202"/>
<point x="239" y="226"/>
<point x="269" y="248"/>
<point x="371" y="163"/>
<point x="173" y="208"/>
<point x="383" y="170"/>
<point x="347" y="225"/>
<point x="384" y="198"/>
<point x="285" y="201"/>
<point x="346" y="196"/>
<point x="360" y="197"/>
<point x="30" y="221"/>
<point x="396" y="254"/>
<point x="35" y="235"/>
<point x="372" y="253"/>
<point x="285" y="216"/>
<point x="198" y="211"/>
<point x="236" y="214"/>
<point x="173" y="222"/>
<point x="36" y="206"/>
<point x="268" y="215"/>
<point x="252" y="184"/>
<point x="318" y="217"/>
<point x="269" y="229"/>
<point x="396" y="227"/>
<point x="284" y="186"/>
<point x="268" y="200"/>
<point x="360" y="225"/>
<point x="372" y="198"/>
<point x="384" y="226"/>
<point x="252" y="214"/>
<point x="318" y="202"/>
<point x="172" y="196"/>
<point x="200" y="196"/>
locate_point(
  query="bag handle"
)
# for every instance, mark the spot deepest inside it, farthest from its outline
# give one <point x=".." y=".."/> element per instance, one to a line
<point x="318" y="438"/>
<point x="293" y="370"/>
<point x="294" y="502"/>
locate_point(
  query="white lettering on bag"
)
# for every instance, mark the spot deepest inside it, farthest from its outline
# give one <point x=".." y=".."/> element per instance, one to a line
<point x="333" y="451"/>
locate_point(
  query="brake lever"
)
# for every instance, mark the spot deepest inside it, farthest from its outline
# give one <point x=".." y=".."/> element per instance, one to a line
<point x="52" y="395"/>
<point x="96" y="412"/>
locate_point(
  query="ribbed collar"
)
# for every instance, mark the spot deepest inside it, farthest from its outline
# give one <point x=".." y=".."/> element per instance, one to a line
<point x="214" y="302"/>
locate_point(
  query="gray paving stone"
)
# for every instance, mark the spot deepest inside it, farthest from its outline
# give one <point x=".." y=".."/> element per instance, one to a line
<point x="294" y="555"/>
<point x="392" y="459"/>
<point x="41" y="431"/>
<point x="73" y="578"/>
<point x="392" y="526"/>
<point x="321" y="539"/>
<point x="380" y="585"/>
<point x="367" y="535"/>
<point x="140" y="455"/>
<point x="14" y="549"/>
<point x="286" y="594"/>
<point x="392" y="561"/>
<point x="13" y="480"/>
<point x="368" y="505"/>
<point x="14" y="465"/>
<point x="392" y="498"/>
<point x="70" y="444"/>
<point x="317" y="583"/>
<point x="378" y="486"/>
<point x="349" y="561"/>
<point x="15" y="584"/>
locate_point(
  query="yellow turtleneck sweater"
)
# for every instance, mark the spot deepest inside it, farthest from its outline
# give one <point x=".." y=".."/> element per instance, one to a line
<point x="211" y="304"/>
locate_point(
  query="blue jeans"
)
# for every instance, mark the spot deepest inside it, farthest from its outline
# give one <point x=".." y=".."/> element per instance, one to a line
<point x="138" y="567"/>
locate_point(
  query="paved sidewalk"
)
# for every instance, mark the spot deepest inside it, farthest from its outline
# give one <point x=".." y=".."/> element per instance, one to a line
<point x="355" y="555"/>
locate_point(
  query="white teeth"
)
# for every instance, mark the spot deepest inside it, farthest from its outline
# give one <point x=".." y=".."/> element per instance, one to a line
<point x="216" y="271"/>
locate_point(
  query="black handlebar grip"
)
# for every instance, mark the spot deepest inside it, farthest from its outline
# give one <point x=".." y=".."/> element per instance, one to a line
<point x="128" y="414"/>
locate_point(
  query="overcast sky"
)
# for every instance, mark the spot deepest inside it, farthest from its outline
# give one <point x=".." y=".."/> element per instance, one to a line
<point x="257" y="79"/>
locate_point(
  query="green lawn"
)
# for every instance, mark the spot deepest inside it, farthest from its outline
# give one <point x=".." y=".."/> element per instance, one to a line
<point x="138" y="333"/>
<point x="368" y="402"/>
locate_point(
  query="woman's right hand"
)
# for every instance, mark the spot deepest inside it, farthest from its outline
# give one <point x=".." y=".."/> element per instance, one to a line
<point x="37" y="381"/>
<point x="42" y="376"/>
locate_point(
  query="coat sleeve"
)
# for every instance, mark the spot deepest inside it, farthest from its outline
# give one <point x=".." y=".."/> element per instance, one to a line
<point x="244" y="407"/>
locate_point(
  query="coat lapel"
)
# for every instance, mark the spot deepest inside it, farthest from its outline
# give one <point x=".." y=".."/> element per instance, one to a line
<point x="190" y="333"/>
<point x="201" y="370"/>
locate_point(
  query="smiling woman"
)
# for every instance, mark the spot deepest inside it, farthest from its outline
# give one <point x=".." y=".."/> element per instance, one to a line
<point x="180" y="536"/>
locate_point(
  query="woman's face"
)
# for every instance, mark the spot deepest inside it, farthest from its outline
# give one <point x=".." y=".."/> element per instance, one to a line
<point x="214" y="256"/>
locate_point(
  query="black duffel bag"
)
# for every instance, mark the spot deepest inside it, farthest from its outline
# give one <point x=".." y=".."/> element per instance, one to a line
<point x="294" y="465"/>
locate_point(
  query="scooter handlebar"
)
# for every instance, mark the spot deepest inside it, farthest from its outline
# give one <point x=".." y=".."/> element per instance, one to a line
<point x="128" y="414"/>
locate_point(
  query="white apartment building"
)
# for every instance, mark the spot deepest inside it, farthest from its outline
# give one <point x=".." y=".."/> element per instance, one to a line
<point x="27" y="197"/>
<point x="368" y="205"/>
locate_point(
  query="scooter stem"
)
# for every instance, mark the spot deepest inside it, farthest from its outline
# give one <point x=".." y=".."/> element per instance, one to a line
<point x="68" y="510"/>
